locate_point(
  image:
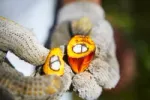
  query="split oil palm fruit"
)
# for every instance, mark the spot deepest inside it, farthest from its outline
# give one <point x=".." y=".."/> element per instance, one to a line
<point x="54" y="63"/>
<point x="80" y="51"/>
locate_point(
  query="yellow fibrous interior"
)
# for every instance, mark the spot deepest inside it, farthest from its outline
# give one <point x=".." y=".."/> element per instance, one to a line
<point x="85" y="41"/>
<point x="54" y="63"/>
<point x="80" y="51"/>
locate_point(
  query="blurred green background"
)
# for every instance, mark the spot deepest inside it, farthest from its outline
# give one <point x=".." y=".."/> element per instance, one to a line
<point x="132" y="18"/>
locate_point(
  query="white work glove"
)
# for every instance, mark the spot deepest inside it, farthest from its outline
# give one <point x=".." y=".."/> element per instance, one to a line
<point x="103" y="71"/>
<point x="24" y="44"/>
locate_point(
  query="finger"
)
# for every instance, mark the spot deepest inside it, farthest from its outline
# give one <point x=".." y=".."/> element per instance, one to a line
<point x="86" y="86"/>
<point x="22" y="42"/>
<point x="105" y="66"/>
<point x="102" y="35"/>
<point x="81" y="26"/>
<point x="106" y="75"/>
<point x="21" y="87"/>
<point x="99" y="70"/>
<point x="31" y="88"/>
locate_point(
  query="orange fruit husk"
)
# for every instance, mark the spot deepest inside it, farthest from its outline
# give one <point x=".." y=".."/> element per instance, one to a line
<point x="79" y="61"/>
<point x="47" y="68"/>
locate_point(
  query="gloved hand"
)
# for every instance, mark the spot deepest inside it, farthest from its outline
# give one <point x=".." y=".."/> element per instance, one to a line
<point x="23" y="43"/>
<point x="103" y="71"/>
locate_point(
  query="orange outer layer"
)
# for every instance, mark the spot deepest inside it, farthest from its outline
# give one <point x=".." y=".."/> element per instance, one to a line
<point x="46" y="68"/>
<point x="79" y="62"/>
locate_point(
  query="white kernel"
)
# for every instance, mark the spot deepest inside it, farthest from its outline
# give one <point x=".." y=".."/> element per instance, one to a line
<point x="77" y="48"/>
<point x="55" y="65"/>
<point x="54" y="58"/>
